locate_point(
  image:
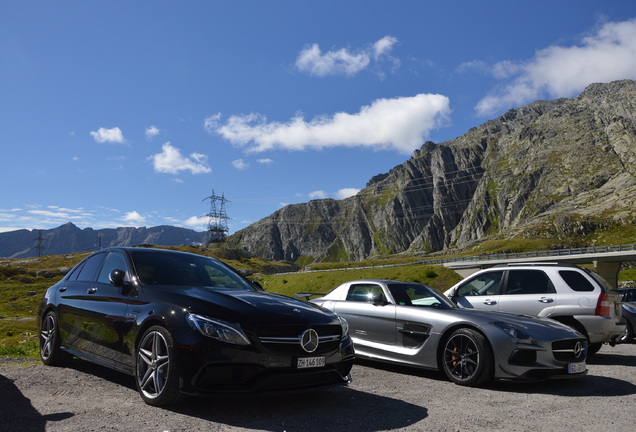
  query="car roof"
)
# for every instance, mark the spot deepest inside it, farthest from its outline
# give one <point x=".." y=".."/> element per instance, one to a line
<point x="385" y="281"/>
<point x="536" y="264"/>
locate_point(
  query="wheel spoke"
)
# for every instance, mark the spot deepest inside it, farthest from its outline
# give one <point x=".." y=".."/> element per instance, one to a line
<point x="146" y="356"/>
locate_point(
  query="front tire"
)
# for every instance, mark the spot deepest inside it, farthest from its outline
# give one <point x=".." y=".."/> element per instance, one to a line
<point x="467" y="358"/>
<point x="50" y="352"/>
<point x="156" y="368"/>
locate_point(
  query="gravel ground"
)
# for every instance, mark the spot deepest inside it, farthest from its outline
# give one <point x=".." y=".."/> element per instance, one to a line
<point x="85" y="397"/>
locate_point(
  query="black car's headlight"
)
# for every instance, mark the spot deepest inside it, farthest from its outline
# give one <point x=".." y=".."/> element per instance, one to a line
<point x="345" y="326"/>
<point x="629" y="307"/>
<point x="220" y="330"/>
<point x="516" y="331"/>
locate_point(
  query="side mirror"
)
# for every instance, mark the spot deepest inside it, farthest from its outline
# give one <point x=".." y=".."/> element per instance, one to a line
<point x="257" y="284"/>
<point x="377" y="300"/>
<point x="117" y="277"/>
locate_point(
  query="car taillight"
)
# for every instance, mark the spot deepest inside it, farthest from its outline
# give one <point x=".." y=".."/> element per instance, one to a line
<point x="603" y="305"/>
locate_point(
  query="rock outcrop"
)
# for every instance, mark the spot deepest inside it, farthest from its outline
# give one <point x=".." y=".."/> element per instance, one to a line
<point x="565" y="164"/>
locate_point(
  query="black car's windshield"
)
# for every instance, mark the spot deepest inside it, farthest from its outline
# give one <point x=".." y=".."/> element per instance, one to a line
<point x="160" y="268"/>
<point x="418" y="295"/>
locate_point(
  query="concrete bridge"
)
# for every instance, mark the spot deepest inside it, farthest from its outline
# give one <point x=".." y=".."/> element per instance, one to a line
<point x="606" y="260"/>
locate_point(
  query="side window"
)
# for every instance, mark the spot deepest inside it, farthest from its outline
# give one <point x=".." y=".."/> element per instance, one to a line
<point x="365" y="293"/>
<point x="488" y="283"/>
<point x="528" y="282"/>
<point x="115" y="260"/>
<point x="576" y="280"/>
<point x="74" y="272"/>
<point x="89" y="271"/>
<point x="413" y="295"/>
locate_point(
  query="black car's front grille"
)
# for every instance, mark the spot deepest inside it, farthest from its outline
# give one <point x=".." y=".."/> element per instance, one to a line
<point x="286" y="340"/>
<point x="570" y="350"/>
<point x="256" y="380"/>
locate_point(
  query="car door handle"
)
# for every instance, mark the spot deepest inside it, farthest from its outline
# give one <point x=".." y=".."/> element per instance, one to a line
<point x="62" y="289"/>
<point x="490" y="302"/>
<point x="91" y="290"/>
<point x="546" y="300"/>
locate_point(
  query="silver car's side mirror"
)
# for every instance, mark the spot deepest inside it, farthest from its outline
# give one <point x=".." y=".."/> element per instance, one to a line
<point x="377" y="300"/>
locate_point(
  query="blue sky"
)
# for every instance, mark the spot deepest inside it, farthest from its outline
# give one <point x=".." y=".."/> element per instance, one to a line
<point x="130" y="113"/>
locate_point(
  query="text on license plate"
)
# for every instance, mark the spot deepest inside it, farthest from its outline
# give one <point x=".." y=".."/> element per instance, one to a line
<point x="576" y="368"/>
<point x="311" y="362"/>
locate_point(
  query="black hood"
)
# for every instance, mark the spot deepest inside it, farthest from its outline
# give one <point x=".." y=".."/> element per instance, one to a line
<point x="254" y="307"/>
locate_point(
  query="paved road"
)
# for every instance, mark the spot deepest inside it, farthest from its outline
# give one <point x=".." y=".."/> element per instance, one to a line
<point x="85" y="397"/>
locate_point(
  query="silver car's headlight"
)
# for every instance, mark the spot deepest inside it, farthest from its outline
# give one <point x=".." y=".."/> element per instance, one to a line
<point x="345" y="326"/>
<point x="516" y="331"/>
<point x="220" y="330"/>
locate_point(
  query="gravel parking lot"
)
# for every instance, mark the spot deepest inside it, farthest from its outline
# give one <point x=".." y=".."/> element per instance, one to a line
<point x="85" y="397"/>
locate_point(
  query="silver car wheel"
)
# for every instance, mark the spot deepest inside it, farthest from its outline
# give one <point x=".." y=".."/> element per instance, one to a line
<point x="467" y="358"/>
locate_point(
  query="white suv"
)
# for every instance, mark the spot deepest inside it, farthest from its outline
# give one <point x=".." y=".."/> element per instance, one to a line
<point x="572" y="295"/>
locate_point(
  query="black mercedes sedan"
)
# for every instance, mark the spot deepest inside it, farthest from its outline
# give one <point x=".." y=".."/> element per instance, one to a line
<point x="183" y="323"/>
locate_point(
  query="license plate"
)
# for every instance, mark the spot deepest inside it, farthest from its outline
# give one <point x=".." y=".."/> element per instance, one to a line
<point x="574" y="368"/>
<point x="311" y="362"/>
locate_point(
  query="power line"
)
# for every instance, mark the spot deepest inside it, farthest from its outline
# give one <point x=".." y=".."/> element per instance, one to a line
<point x="217" y="219"/>
<point x="39" y="246"/>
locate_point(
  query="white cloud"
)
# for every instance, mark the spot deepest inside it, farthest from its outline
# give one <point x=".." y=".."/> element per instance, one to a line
<point x="151" y="132"/>
<point x="311" y="60"/>
<point x="67" y="210"/>
<point x="347" y="192"/>
<point x="134" y="218"/>
<point x="8" y="229"/>
<point x="318" y="194"/>
<point x="48" y="213"/>
<point x="400" y="124"/>
<point x="240" y="164"/>
<point x="197" y="222"/>
<point x="558" y="71"/>
<point x="113" y="135"/>
<point x="265" y="161"/>
<point x="384" y="46"/>
<point x="171" y="161"/>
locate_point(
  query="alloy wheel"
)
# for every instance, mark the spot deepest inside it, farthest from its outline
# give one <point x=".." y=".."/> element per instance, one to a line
<point x="153" y="364"/>
<point x="47" y="337"/>
<point x="461" y="357"/>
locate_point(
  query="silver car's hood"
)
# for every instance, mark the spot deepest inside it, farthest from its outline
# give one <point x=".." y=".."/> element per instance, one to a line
<point x="531" y="323"/>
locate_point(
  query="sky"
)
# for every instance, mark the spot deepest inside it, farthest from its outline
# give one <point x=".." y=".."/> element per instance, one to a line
<point x="132" y="113"/>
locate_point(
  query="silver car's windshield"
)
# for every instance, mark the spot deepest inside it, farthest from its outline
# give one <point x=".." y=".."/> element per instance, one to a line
<point x="418" y="295"/>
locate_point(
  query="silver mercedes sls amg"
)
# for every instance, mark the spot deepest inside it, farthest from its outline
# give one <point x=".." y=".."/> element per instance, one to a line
<point x="411" y="324"/>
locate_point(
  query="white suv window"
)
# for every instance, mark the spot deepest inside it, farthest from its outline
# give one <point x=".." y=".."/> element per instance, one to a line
<point x="576" y="280"/>
<point x="484" y="284"/>
<point x="528" y="282"/>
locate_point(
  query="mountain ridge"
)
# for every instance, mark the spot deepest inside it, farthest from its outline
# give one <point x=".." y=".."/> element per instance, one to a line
<point x="547" y="168"/>
<point x="559" y="169"/>
<point x="68" y="238"/>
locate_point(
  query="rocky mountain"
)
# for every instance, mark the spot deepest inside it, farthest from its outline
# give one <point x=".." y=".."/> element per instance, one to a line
<point x="548" y="168"/>
<point x="68" y="238"/>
